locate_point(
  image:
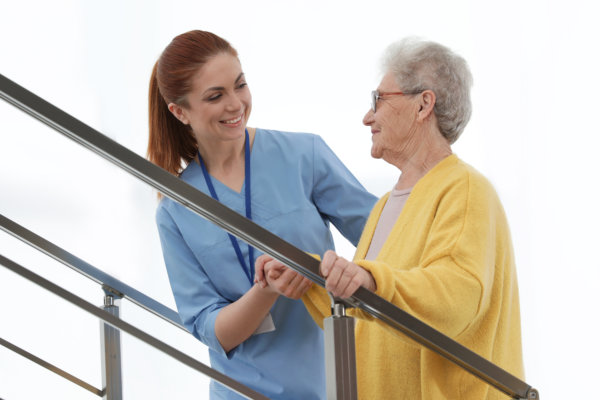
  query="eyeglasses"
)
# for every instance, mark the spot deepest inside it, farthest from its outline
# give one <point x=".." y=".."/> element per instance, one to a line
<point x="376" y="95"/>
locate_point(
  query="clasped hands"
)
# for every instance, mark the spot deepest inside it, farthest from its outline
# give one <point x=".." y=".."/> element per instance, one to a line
<point x="342" y="277"/>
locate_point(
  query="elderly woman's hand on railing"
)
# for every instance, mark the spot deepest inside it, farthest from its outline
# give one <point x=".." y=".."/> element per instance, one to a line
<point x="343" y="277"/>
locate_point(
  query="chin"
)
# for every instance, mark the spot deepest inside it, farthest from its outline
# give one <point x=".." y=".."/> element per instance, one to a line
<point x="236" y="132"/>
<point x="375" y="153"/>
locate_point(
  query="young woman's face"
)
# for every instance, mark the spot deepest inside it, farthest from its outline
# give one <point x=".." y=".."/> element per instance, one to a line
<point x="219" y="103"/>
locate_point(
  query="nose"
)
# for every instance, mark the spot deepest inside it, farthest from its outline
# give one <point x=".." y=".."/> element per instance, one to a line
<point x="234" y="102"/>
<point x="369" y="118"/>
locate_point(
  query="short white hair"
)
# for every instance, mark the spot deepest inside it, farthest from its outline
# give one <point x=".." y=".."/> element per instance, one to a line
<point x="419" y="65"/>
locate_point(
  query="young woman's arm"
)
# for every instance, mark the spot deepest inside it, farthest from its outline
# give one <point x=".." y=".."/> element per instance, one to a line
<point x="239" y="320"/>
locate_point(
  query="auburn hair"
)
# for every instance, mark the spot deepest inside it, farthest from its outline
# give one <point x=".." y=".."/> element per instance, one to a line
<point x="171" y="144"/>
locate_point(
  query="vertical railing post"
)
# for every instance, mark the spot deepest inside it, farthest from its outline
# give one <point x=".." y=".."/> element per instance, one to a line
<point x="110" y="342"/>
<point x="340" y="354"/>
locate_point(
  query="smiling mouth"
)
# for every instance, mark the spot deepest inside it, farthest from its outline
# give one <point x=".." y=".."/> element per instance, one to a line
<point x="233" y="121"/>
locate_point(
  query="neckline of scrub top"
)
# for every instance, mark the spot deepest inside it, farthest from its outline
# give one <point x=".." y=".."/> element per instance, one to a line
<point x="247" y="187"/>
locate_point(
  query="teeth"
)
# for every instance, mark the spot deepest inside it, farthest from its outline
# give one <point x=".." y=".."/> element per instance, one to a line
<point x="233" y="121"/>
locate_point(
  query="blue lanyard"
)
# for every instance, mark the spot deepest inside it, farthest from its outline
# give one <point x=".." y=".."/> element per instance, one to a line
<point x="248" y="270"/>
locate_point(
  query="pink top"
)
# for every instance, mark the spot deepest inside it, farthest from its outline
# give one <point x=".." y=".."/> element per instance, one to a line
<point x="390" y="213"/>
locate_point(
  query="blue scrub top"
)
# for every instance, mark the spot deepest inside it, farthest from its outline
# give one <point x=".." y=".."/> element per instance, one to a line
<point x="298" y="187"/>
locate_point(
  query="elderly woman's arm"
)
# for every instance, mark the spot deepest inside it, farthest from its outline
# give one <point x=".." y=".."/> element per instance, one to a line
<point x="441" y="294"/>
<point x="448" y="263"/>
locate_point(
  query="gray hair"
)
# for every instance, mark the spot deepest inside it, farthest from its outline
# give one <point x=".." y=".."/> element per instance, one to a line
<point x="419" y="65"/>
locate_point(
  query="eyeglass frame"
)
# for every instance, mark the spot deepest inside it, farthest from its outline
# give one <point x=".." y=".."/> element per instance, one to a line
<point x="376" y="95"/>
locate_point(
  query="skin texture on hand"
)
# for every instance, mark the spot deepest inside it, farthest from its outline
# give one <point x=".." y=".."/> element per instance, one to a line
<point x="343" y="277"/>
<point x="283" y="280"/>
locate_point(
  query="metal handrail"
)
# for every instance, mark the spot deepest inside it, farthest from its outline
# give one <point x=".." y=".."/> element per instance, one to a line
<point x="258" y="237"/>
<point x="51" y="367"/>
<point x="130" y="329"/>
<point x="77" y="264"/>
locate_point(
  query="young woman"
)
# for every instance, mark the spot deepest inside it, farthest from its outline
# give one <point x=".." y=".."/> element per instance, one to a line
<point x="292" y="184"/>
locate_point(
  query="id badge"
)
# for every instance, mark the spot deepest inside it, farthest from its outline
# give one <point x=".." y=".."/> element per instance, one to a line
<point x="265" y="326"/>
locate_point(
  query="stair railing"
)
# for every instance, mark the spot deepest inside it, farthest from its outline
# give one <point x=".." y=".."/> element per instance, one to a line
<point x="114" y="290"/>
<point x="263" y="240"/>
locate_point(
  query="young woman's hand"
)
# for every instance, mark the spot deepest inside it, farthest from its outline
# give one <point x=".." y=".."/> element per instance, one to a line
<point x="272" y="274"/>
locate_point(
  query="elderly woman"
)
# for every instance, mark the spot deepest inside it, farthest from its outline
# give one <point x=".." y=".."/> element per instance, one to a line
<point x="437" y="246"/>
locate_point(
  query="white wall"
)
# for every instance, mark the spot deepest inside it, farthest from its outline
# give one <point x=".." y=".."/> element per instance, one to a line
<point x="311" y="66"/>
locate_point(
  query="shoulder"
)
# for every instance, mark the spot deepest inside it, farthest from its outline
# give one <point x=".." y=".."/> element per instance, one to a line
<point x="478" y="185"/>
<point x="163" y="210"/>
<point x="454" y="180"/>
<point x="170" y="212"/>
<point x="453" y="171"/>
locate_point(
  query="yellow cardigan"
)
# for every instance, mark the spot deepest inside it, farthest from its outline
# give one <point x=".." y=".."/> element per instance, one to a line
<point x="449" y="262"/>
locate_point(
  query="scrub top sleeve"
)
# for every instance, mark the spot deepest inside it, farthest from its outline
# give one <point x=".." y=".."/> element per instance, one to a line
<point x="338" y="194"/>
<point x="198" y="302"/>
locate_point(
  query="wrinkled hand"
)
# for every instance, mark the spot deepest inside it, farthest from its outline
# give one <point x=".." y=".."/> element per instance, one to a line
<point x="270" y="273"/>
<point x="342" y="277"/>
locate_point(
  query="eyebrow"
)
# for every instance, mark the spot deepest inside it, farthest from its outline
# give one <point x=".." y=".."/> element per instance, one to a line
<point x="240" y="76"/>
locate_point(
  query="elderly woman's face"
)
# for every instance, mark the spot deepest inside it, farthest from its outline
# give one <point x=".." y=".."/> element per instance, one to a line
<point x="393" y="124"/>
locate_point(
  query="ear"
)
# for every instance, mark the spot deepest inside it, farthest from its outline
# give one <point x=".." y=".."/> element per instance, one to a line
<point x="179" y="113"/>
<point x="426" y="104"/>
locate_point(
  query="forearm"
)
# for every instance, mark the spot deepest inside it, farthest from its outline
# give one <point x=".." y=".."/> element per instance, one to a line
<point x="453" y="295"/>
<point x="239" y="320"/>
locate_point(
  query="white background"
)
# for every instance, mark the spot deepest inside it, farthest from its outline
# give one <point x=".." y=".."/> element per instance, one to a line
<point x="311" y="66"/>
